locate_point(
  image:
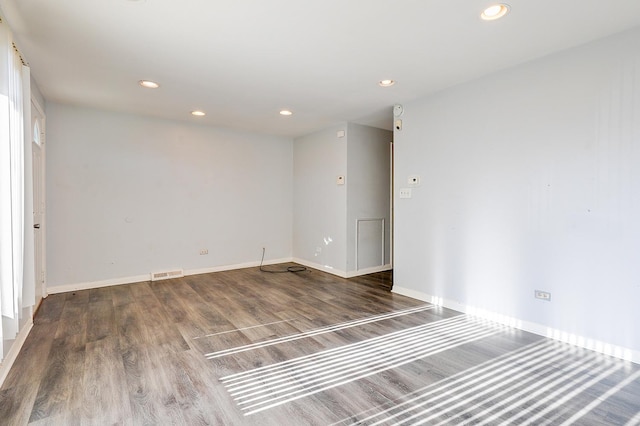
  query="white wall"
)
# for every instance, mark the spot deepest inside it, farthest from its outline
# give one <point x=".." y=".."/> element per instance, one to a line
<point x="325" y="213"/>
<point x="368" y="193"/>
<point x="128" y="195"/>
<point x="530" y="180"/>
<point x="320" y="205"/>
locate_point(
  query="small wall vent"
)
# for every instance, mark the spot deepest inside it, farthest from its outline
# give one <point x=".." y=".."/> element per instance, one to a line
<point x="166" y="275"/>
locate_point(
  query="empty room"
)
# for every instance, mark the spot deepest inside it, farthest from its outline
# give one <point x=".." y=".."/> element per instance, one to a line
<point x="314" y="212"/>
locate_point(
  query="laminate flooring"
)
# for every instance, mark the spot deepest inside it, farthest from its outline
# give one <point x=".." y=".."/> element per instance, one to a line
<point x="248" y="347"/>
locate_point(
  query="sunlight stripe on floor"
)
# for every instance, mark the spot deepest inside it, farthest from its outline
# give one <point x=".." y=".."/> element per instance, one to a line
<point x="459" y="380"/>
<point x="235" y="330"/>
<point x="318" y="331"/>
<point x="271" y="386"/>
<point x="534" y="390"/>
<point x="537" y="381"/>
<point x="603" y="398"/>
<point x="444" y="404"/>
<point x="350" y="349"/>
<point x="635" y="421"/>
<point x="530" y="385"/>
<point x="328" y="368"/>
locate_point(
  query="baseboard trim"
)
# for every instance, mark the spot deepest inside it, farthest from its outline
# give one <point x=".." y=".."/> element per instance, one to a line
<point x="367" y="271"/>
<point x="323" y="268"/>
<point x="11" y="357"/>
<point x="531" y="327"/>
<point x="66" y="288"/>
<point x="236" y="266"/>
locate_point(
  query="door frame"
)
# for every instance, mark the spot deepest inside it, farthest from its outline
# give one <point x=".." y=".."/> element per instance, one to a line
<point x="391" y="205"/>
<point x="42" y="183"/>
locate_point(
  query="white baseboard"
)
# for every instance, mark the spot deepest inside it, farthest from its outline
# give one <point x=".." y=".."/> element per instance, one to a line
<point x="539" y="329"/>
<point x="338" y="272"/>
<point x="367" y="271"/>
<point x="97" y="284"/>
<point x="147" y="277"/>
<point x="323" y="268"/>
<point x="66" y="288"/>
<point x="236" y="266"/>
<point x="8" y="361"/>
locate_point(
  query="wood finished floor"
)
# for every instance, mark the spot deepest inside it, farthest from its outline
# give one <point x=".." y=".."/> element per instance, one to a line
<point x="246" y="347"/>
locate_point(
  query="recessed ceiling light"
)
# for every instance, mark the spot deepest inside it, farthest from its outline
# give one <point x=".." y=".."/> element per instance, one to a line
<point x="148" y="84"/>
<point x="386" y="83"/>
<point x="198" y="113"/>
<point x="286" y="112"/>
<point x="494" y="12"/>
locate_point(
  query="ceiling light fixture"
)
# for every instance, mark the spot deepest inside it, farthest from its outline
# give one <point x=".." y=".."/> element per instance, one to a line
<point x="494" y="12"/>
<point x="386" y="83"/>
<point x="198" y="113"/>
<point x="286" y="112"/>
<point x="148" y="84"/>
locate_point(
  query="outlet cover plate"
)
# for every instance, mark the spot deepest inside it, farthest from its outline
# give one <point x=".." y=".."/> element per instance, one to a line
<point x="405" y="192"/>
<point x="542" y="295"/>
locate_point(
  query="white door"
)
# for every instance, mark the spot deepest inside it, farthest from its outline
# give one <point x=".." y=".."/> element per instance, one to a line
<point x="38" y="149"/>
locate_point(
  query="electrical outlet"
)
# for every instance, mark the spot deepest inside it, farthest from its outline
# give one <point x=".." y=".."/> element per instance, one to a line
<point x="204" y="251"/>
<point x="542" y="295"/>
<point x="405" y="192"/>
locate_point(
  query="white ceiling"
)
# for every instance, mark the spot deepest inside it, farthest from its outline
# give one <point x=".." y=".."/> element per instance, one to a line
<point x="242" y="61"/>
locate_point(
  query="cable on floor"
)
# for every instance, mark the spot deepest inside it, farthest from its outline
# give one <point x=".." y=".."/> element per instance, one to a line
<point x="294" y="269"/>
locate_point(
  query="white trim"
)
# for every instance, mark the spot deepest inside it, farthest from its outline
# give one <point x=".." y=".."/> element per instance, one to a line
<point x="236" y="266"/>
<point x="535" y="328"/>
<point x="340" y="273"/>
<point x="146" y="277"/>
<point x="43" y="220"/>
<point x="97" y="284"/>
<point x="65" y="288"/>
<point x="324" y="268"/>
<point x="14" y="350"/>
<point x="371" y="270"/>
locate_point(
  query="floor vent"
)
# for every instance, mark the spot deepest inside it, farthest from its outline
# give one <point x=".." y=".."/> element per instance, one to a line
<point x="166" y="275"/>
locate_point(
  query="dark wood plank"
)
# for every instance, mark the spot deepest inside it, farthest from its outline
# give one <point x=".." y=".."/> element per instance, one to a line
<point x="34" y="354"/>
<point x="104" y="387"/>
<point x="50" y="311"/>
<point x="131" y="327"/>
<point x="100" y="320"/>
<point x="60" y="385"/>
<point x="16" y="403"/>
<point x="152" y="398"/>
